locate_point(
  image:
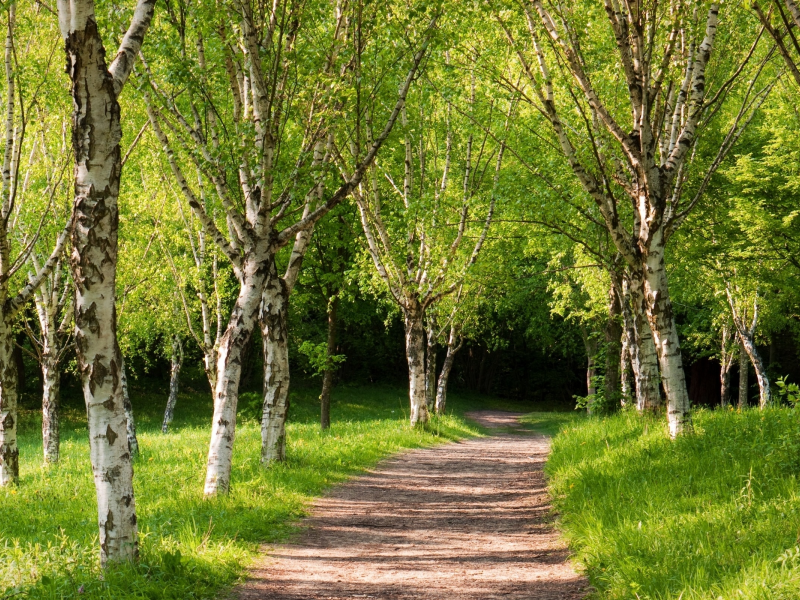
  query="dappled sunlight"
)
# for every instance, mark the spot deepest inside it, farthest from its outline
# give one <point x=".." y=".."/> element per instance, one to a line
<point x="466" y="520"/>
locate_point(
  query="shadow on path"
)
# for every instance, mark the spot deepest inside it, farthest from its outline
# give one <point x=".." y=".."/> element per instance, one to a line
<point x="467" y="520"/>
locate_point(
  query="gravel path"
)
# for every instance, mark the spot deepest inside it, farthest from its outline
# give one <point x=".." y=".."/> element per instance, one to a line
<point x="468" y="520"/>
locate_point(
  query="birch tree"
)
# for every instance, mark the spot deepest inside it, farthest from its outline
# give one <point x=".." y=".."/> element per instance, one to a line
<point x="54" y="305"/>
<point x="781" y="20"/>
<point x="96" y="133"/>
<point x="746" y="334"/>
<point x="663" y="52"/>
<point x="418" y="238"/>
<point x="268" y="121"/>
<point x="727" y="355"/>
<point x="17" y="244"/>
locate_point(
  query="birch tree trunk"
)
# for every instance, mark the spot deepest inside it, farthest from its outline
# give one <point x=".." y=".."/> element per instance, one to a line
<point x="327" y="377"/>
<point x="747" y="349"/>
<point x="727" y="355"/>
<point x="96" y="134"/>
<point x="9" y="452"/>
<point x="665" y="337"/>
<point x="130" y="422"/>
<point x="275" y="335"/>
<point x="590" y="345"/>
<point x="642" y="350"/>
<point x="744" y="376"/>
<point x="454" y="343"/>
<point x="51" y="387"/>
<point x="415" y="355"/>
<point x="430" y="366"/>
<point x="176" y="362"/>
<point x="626" y="384"/>
<point x="243" y="319"/>
<point x="764" y="394"/>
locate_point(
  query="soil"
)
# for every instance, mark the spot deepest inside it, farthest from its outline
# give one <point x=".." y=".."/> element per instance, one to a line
<point x="468" y="520"/>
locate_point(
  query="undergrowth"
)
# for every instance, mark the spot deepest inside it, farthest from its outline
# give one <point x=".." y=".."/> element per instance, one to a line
<point x="190" y="547"/>
<point x="712" y="515"/>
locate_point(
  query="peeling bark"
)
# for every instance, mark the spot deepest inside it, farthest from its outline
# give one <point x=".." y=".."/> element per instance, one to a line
<point x="275" y="334"/>
<point x="415" y="355"/>
<point x="51" y="387"/>
<point x="243" y="319"/>
<point x="96" y="134"/>
<point x="644" y="357"/>
<point x="665" y="338"/>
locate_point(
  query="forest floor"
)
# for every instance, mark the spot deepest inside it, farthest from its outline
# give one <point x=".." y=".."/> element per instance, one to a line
<point x="457" y="521"/>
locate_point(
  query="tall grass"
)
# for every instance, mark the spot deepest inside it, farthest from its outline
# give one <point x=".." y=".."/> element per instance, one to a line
<point x="190" y="547"/>
<point x="713" y="515"/>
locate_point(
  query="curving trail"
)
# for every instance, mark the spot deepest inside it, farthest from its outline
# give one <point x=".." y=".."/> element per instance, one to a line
<point x="467" y="521"/>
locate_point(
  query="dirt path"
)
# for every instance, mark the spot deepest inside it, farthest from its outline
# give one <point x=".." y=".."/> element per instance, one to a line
<point x="458" y="521"/>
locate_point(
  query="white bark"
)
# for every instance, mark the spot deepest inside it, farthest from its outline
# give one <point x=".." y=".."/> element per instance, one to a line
<point x="748" y="348"/>
<point x="430" y="365"/>
<point x="665" y="338"/>
<point x="644" y="357"/>
<point x="454" y="343"/>
<point x="415" y="355"/>
<point x="654" y="152"/>
<point x="726" y="358"/>
<point x="274" y="331"/>
<point x="51" y="384"/>
<point x="96" y="137"/>
<point x="130" y="422"/>
<point x="243" y="319"/>
<point x="254" y="234"/>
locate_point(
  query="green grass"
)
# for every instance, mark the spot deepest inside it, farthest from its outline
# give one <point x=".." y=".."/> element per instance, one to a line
<point x="713" y="515"/>
<point x="190" y="547"/>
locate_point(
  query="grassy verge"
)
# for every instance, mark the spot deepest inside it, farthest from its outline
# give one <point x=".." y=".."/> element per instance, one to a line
<point x="190" y="547"/>
<point x="714" y="515"/>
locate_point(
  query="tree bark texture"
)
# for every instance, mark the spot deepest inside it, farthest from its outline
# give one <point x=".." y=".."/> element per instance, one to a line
<point x="243" y="319"/>
<point x="642" y="350"/>
<point x="330" y="371"/>
<point x="653" y="154"/>
<point x="96" y="134"/>
<point x="275" y="335"/>
<point x="430" y="366"/>
<point x="415" y="355"/>
<point x="665" y="337"/>
<point x="130" y="421"/>
<point x="764" y="393"/>
<point x="454" y="343"/>
<point x="175" y="364"/>
<point x="9" y="451"/>
<point x="747" y="346"/>
<point x="51" y="388"/>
